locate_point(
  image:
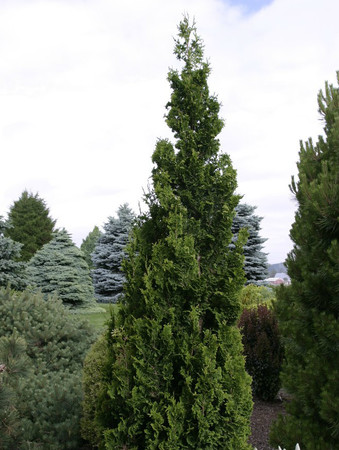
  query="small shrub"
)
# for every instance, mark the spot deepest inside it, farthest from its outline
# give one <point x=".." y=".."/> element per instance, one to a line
<point x="263" y="350"/>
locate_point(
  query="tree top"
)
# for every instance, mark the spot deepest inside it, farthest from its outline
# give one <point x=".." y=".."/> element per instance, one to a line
<point x="189" y="46"/>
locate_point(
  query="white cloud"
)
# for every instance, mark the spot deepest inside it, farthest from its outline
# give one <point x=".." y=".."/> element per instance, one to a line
<point x="83" y="91"/>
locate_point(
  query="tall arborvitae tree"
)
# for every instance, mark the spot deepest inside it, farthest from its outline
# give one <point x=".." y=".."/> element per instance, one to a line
<point x="177" y="377"/>
<point x="309" y="308"/>
<point x="12" y="271"/>
<point x="88" y="245"/>
<point x="108" y="254"/>
<point x="60" y="268"/>
<point x="256" y="266"/>
<point x="30" y="224"/>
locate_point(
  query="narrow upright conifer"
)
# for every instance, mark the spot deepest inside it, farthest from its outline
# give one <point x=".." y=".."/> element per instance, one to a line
<point x="176" y="376"/>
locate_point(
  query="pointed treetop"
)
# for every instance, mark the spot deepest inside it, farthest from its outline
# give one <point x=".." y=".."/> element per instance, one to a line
<point x="189" y="47"/>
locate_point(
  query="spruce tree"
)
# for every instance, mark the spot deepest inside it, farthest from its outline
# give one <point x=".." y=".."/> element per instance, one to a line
<point x="108" y="254"/>
<point x="309" y="308"/>
<point x="88" y="245"/>
<point x="12" y="272"/>
<point x="30" y="224"/>
<point x="256" y="266"/>
<point x="176" y="376"/>
<point x="60" y="268"/>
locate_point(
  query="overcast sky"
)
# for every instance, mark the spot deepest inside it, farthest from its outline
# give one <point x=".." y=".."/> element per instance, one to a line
<point x="83" y="89"/>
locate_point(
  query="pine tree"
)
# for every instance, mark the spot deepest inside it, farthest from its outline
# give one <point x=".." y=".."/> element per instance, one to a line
<point x="256" y="266"/>
<point x="40" y="372"/>
<point x="12" y="271"/>
<point x="176" y="376"/>
<point x="309" y="308"/>
<point x="14" y="368"/>
<point x="30" y="224"/>
<point x="60" y="268"/>
<point x="108" y="254"/>
<point x="88" y="245"/>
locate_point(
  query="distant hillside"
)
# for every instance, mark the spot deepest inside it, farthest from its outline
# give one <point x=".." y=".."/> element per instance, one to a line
<point x="276" y="268"/>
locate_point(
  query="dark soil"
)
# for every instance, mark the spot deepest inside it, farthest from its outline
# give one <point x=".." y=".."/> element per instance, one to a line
<point x="264" y="413"/>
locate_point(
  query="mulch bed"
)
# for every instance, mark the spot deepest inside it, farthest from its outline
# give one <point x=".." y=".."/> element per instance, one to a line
<point x="264" y="414"/>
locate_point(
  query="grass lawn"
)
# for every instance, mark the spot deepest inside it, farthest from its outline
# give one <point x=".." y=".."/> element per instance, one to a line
<point x="98" y="319"/>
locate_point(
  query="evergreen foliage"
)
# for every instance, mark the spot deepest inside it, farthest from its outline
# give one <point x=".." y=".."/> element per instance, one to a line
<point x="108" y="254"/>
<point x="94" y="388"/>
<point x="42" y="348"/>
<point x="309" y="308"/>
<point x="30" y="224"/>
<point x="88" y="245"/>
<point x="14" y="366"/>
<point x="175" y="376"/>
<point x="12" y="272"/>
<point x="60" y="268"/>
<point x="263" y="350"/>
<point x="256" y="265"/>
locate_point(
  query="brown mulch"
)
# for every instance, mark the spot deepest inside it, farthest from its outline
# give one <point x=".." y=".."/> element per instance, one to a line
<point x="264" y="413"/>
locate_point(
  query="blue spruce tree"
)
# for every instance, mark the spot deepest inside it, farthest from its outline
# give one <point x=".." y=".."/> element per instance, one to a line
<point x="12" y="271"/>
<point x="59" y="268"/>
<point x="255" y="266"/>
<point x="108" y="254"/>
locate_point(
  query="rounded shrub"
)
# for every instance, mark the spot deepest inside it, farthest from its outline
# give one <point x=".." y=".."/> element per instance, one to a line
<point x="263" y="350"/>
<point x="46" y="397"/>
<point x="251" y="296"/>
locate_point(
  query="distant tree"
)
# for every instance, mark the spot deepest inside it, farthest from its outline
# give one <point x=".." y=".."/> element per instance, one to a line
<point x="11" y="270"/>
<point x="60" y="268"/>
<point x="256" y="265"/>
<point x="30" y="224"/>
<point x="175" y="376"/>
<point x="308" y="309"/>
<point x="108" y="254"/>
<point x="88" y="245"/>
<point x="40" y="372"/>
